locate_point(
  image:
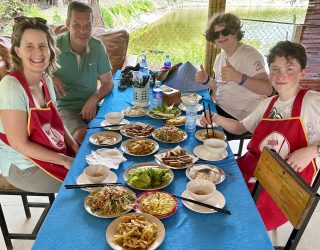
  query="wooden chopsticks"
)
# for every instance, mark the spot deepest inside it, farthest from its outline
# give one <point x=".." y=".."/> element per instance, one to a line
<point x="107" y="126"/>
<point x="204" y="109"/>
<point x="93" y="185"/>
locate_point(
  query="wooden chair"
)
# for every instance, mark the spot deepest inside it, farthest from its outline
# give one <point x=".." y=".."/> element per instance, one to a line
<point x="275" y="176"/>
<point x="7" y="189"/>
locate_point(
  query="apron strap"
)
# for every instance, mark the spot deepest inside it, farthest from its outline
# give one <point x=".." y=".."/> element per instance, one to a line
<point x="297" y="104"/>
<point x="268" y="110"/>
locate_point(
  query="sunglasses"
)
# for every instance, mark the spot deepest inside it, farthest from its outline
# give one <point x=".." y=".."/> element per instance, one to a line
<point x="33" y="20"/>
<point x="215" y="35"/>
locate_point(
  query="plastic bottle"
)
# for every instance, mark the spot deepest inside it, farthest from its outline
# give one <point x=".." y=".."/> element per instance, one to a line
<point x="167" y="62"/>
<point x="143" y="62"/>
<point x="157" y="94"/>
<point x="191" y="117"/>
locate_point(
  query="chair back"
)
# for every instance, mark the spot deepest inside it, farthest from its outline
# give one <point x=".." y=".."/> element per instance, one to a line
<point x="296" y="199"/>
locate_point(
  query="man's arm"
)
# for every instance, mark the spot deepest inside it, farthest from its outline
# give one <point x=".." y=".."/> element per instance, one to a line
<point x="89" y="109"/>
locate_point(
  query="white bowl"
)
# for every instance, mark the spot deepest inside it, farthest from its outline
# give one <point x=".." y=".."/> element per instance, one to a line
<point x="200" y="189"/>
<point x="186" y="99"/>
<point x="214" y="145"/>
<point x="96" y="173"/>
<point x="114" y="117"/>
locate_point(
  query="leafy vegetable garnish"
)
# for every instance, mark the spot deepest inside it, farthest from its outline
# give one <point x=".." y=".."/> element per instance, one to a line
<point x="165" y="111"/>
<point x="149" y="177"/>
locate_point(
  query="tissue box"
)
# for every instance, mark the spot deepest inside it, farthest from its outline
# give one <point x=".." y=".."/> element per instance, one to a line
<point x="171" y="96"/>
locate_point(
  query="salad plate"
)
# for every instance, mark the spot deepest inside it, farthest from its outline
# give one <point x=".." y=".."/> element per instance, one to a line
<point x="164" y="112"/>
<point x="105" y="123"/>
<point x="206" y="172"/>
<point x="98" y="203"/>
<point x="114" y="231"/>
<point x="217" y="200"/>
<point x="148" y="176"/>
<point x="105" y="138"/>
<point x="158" y="203"/>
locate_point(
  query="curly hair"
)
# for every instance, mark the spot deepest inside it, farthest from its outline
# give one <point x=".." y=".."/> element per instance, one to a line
<point x="288" y="50"/>
<point x="231" y="21"/>
<point x="23" y="23"/>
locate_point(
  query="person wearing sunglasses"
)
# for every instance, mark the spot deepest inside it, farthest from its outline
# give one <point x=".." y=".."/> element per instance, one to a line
<point x="240" y="81"/>
<point x="287" y="123"/>
<point x="83" y="60"/>
<point x="36" y="150"/>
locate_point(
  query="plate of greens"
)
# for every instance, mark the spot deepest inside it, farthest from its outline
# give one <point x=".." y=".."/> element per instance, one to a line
<point x="148" y="176"/>
<point x="164" y="112"/>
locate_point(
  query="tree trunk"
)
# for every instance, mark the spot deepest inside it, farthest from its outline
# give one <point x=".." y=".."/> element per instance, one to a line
<point x="97" y="19"/>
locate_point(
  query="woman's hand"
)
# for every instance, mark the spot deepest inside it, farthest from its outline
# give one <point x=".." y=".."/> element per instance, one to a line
<point x="300" y="158"/>
<point x="67" y="161"/>
<point x="205" y="118"/>
<point x="201" y="75"/>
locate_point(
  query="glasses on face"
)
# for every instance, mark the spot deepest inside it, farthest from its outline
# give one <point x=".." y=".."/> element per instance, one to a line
<point x="33" y="20"/>
<point x="215" y="35"/>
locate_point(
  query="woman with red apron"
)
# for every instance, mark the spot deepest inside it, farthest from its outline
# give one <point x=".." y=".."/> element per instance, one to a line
<point x="284" y="136"/>
<point x="45" y="127"/>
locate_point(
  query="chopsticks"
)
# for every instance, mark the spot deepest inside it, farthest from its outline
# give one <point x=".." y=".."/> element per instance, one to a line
<point x="204" y="109"/>
<point x="107" y="126"/>
<point x="73" y="186"/>
<point x="221" y="210"/>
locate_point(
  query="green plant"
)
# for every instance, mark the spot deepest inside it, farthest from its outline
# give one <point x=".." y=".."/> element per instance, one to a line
<point x="57" y="19"/>
<point x="33" y="11"/>
<point x="107" y="17"/>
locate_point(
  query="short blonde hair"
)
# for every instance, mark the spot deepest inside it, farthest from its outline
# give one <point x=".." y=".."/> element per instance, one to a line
<point x="23" y="23"/>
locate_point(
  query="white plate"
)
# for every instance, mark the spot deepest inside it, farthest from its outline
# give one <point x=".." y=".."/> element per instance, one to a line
<point x="143" y="111"/>
<point x="128" y="171"/>
<point x="105" y="123"/>
<point x="183" y="138"/>
<point x="117" y="138"/>
<point x="203" y="154"/>
<point x="199" y="124"/>
<point x="112" y="228"/>
<point x="216" y="169"/>
<point x="124" y="132"/>
<point x="179" y="118"/>
<point x="166" y="150"/>
<point x="217" y="200"/>
<point x="178" y="113"/>
<point x="87" y="207"/>
<point x="183" y="107"/>
<point x="125" y="150"/>
<point x="111" y="178"/>
<point x="199" y="97"/>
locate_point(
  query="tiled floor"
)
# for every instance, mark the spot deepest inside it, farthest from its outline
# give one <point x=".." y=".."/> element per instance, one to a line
<point x="17" y="222"/>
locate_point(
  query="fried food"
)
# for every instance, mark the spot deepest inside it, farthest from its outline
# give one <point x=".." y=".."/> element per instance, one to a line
<point x="169" y="134"/>
<point x="181" y="120"/>
<point x="135" y="231"/>
<point x="134" y="111"/>
<point x="140" y="146"/>
<point x="139" y="130"/>
<point x="158" y="204"/>
<point x="177" y="157"/>
<point x="104" y="139"/>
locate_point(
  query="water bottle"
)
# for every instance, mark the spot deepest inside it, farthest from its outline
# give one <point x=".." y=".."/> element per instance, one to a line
<point x="143" y="62"/>
<point x="157" y="94"/>
<point x="167" y="62"/>
<point x="191" y="117"/>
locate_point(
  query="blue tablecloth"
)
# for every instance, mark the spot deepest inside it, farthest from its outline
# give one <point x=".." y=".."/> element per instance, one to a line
<point x="68" y="225"/>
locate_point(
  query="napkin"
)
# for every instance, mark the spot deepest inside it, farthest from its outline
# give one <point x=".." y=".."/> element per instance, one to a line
<point x="108" y="157"/>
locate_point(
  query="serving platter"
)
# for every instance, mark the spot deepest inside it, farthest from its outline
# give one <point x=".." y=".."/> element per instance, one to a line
<point x="145" y="165"/>
<point x="164" y="132"/>
<point x="125" y="144"/>
<point x="175" y="113"/>
<point x="138" y="129"/>
<point x="160" y="156"/>
<point x="112" y="228"/>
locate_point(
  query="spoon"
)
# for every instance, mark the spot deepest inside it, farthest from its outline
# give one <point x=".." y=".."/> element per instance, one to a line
<point x="208" y="170"/>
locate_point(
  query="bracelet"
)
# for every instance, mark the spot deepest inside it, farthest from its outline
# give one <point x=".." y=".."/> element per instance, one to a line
<point x="206" y="82"/>
<point x="243" y="79"/>
<point x="318" y="149"/>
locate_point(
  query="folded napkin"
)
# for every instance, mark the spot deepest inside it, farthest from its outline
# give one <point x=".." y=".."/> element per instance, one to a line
<point x="108" y="157"/>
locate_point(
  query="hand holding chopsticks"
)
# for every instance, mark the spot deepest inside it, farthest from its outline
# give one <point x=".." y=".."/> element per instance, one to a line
<point x="210" y="120"/>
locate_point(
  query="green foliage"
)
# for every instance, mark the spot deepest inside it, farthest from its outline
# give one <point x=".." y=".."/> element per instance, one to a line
<point x="11" y="9"/>
<point x="57" y="19"/>
<point x="107" y="17"/>
<point x="142" y="5"/>
<point x="33" y="11"/>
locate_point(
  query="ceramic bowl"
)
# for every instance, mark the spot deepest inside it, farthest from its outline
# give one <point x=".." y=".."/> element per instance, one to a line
<point x="114" y="117"/>
<point x="96" y="173"/>
<point x="214" y="145"/>
<point x="201" y="190"/>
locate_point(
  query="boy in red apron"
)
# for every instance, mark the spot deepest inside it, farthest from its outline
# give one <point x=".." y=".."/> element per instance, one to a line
<point x="33" y="128"/>
<point x="286" y="123"/>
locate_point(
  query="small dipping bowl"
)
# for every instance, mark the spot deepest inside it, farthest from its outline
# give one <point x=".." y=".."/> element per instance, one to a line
<point x="214" y="145"/>
<point x="201" y="190"/>
<point x="114" y="117"/>
<point x="96" y="173"/>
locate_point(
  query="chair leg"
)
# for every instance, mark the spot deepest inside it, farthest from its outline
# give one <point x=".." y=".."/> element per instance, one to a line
<point x="25" y="205"/>
<point x="240" y="147"/>
<point x="51" y="198"/>
<point x="4" y="230"/>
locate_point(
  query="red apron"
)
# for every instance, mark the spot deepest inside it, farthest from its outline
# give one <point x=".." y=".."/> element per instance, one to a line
<point x="284" y="136"/>
<point x="45" y="127"/>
